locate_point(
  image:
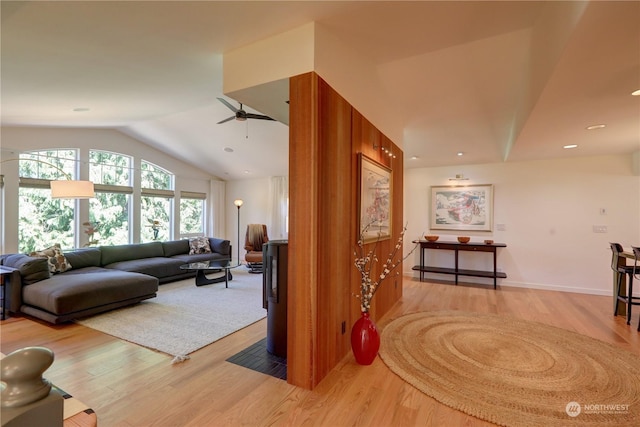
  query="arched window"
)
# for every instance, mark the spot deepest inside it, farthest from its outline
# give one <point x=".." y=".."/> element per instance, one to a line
<point x="157" y="193"/>
<point x="43" y="221"/>
<point x="110" y="211"/>
<point x="106" y="219"/>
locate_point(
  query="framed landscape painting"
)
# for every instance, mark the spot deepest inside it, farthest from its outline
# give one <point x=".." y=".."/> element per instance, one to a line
<point x="462" y="208"/>
<point x="375" y="200"/>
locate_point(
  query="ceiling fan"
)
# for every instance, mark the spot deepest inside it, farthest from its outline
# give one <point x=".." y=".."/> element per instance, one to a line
<point x="241" y="115"/>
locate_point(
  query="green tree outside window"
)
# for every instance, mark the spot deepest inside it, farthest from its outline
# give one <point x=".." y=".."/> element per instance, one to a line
<point x="110" y="210"/>
<point x="43" y="221"/>
<point x="191" y="216"/>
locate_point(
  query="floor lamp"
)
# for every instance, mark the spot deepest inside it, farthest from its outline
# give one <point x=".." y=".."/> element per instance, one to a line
<point x="238" y="203"/>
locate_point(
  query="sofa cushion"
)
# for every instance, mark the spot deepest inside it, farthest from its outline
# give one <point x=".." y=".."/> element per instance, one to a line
<point x="111" y="254"/>
<point x="55" y="259"/>
<point x="31" y="269"/>
<point x="86" y="257"/>
<point x="175" y="247"/>
<point x="220" y="246"/>
<point x="86" y="288"/>
<point x="157" y="267"/>
<point x="199" y="245"/>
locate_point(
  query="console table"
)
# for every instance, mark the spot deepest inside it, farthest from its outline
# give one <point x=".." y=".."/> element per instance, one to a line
<point x="457" y="271"/>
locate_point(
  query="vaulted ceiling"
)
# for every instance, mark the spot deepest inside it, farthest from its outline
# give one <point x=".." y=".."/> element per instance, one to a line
<point x="497" y="81"/>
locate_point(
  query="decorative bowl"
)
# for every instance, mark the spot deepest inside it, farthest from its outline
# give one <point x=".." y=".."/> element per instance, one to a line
<point x="488" y="242"/>
<point x="464" y="239"/>
<point x="431" y="238"/>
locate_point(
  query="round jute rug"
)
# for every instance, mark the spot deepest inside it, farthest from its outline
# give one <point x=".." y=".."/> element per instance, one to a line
<point x="514" y="372"/>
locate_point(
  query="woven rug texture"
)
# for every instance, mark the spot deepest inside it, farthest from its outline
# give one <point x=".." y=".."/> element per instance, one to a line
<point x="184" y="317"/>
<point x="514" y="372"/>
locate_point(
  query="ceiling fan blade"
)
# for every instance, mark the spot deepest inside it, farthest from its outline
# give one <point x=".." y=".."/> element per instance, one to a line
<point x="258" y="116"/>
<point x="226" y="120"/>
<point x="231" y="107"/>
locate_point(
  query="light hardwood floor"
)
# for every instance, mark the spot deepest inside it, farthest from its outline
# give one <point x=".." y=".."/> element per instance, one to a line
<point x="128" y="385"/>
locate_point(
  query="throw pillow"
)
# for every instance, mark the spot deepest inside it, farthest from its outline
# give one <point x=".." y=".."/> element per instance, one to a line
<point x="56" y="260"/>
<point x="45" y="253"/>
<point x="199" y="245"/>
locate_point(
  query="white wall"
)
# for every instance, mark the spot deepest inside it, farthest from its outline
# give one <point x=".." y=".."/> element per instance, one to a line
<point x="17" y="139"/>
<point x="548" y="209"/>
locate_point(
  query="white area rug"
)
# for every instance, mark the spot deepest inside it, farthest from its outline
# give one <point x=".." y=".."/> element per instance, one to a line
<point x="184" y="317"/>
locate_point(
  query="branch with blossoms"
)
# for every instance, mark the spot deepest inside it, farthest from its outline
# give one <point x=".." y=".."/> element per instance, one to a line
<point x="364" y="262"/>
<point x="90" y="230"/>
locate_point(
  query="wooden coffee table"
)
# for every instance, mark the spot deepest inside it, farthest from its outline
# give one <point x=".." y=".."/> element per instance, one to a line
<point x="207" y="267"/>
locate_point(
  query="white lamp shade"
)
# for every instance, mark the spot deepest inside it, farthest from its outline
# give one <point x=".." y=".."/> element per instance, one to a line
<point x="72" y="189"/>
<point x="238" y="202"/>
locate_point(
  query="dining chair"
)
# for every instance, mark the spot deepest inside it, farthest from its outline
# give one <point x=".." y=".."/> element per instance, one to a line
<point x="636" y="270"/>
<point x="622" y="270"/>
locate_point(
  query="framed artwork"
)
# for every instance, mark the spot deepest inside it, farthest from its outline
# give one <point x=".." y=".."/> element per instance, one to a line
<point x="375" y="200"/>
<point x="467" y="207"/>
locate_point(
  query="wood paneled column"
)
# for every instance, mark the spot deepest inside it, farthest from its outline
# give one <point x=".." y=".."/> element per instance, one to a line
<point x="323" y="194"/>
<point x="320" y="232"/>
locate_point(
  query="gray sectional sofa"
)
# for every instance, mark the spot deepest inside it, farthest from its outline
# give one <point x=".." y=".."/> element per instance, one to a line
<point x="100" y="279"/>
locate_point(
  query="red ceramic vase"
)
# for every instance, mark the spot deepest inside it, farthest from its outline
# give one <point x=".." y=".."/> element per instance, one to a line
<point x="365" y="340"/>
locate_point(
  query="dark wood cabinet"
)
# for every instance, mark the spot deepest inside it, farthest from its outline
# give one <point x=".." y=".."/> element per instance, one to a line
<point x="456" y="270"/>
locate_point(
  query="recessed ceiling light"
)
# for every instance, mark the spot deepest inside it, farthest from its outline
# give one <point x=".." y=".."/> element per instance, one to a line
<point x="571" y="146"/>
<point x="636" y="92"/>
<point x="460" y="153"/>
<point x="594" y="127"/>
<point x="246" y="172"/>
<point x="228" y="149"/>
<point x="81" y="109"/>
<point x="414" y="157"/>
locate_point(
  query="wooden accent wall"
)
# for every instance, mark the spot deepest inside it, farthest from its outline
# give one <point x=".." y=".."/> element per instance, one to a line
<point x="371" y="142"/>
<point x="325" y="136"/>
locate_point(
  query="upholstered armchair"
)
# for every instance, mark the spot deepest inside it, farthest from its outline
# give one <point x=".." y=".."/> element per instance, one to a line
<point x="256" y="236"/>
